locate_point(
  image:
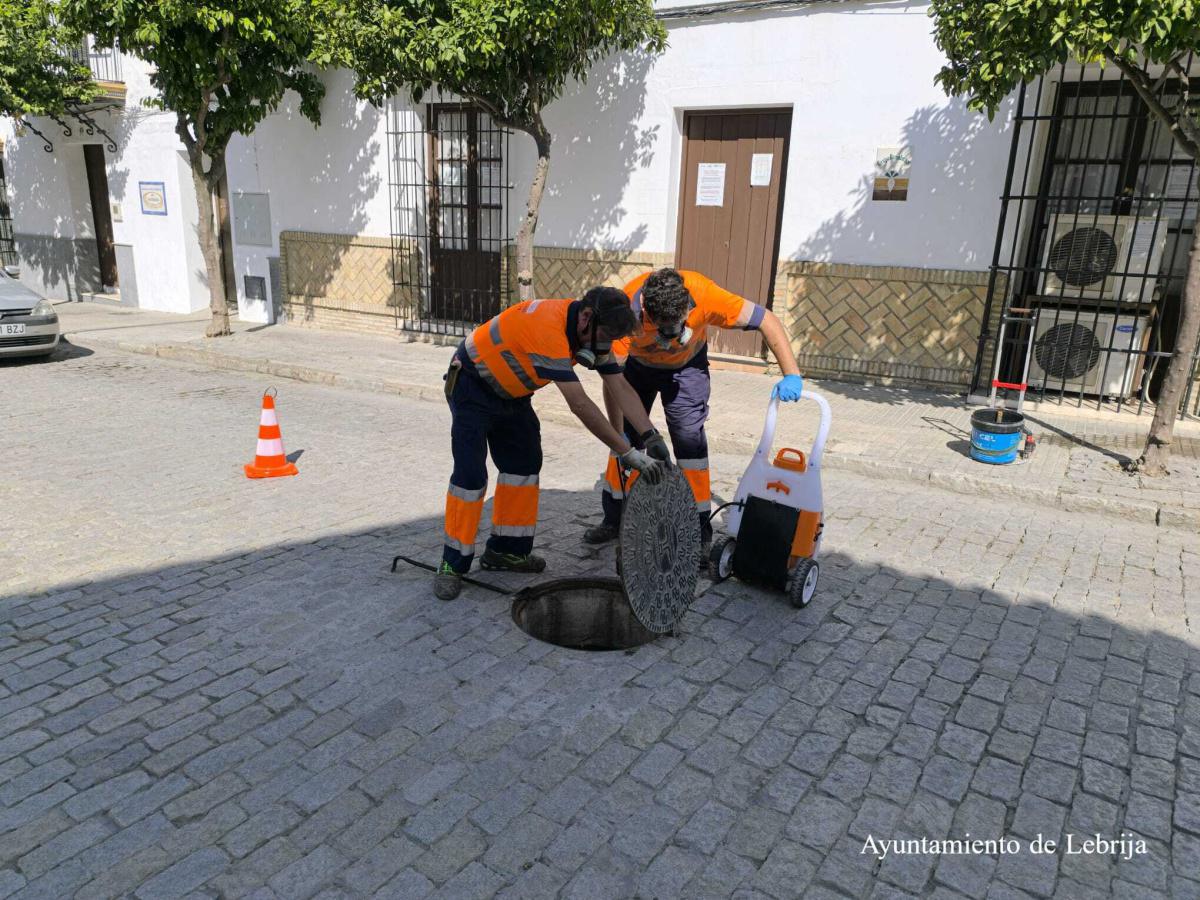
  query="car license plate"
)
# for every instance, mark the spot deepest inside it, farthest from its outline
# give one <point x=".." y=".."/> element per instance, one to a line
<point x="11" y="329"/>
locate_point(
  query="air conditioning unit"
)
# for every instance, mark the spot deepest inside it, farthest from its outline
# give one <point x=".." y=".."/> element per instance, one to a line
<point x="1081" y="352"/>
<point x="1084" y="251"/>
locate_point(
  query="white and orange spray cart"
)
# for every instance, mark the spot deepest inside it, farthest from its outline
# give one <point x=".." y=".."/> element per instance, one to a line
<point x="776" y="517"/>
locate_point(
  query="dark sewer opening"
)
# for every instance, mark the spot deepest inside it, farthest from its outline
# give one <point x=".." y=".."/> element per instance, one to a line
<point x="580" y="613"/>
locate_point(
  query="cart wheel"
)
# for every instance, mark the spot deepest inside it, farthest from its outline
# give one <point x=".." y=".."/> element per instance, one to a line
<point x="720" y="558"/>
<point x="802" y="583"/>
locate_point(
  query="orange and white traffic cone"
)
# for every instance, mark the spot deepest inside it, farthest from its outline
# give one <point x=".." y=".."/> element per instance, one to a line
<point x="270" y="460"/>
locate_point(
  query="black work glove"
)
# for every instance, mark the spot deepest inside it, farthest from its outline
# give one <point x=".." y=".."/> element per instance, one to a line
<point x="656" y="445"/>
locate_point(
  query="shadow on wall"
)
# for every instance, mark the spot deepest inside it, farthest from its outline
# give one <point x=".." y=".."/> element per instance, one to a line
<point x="333" y="179"/>
<point x="51" y="263"/>
<point x="888" y="321"/>
<point x="945" y="142"/>
<point x="608" y="147"/>
<point x="65" y="267"/>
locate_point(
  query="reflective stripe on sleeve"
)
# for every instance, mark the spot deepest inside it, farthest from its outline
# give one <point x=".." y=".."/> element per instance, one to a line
<point x="550" y="362"/>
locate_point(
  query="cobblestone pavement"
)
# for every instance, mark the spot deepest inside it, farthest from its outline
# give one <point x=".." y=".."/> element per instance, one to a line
<point x="213" y="687"/>
<point x="895" y="432"/>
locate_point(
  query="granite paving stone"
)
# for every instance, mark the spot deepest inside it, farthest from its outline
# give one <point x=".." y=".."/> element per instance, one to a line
<point x="219" y="688"/>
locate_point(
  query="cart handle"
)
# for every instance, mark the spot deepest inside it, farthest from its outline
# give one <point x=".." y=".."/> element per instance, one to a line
<point x="768" y="435"/>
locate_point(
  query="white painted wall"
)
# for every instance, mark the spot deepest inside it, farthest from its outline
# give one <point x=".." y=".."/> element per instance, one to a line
<point x="857" y="77"/>
<point x="333" y="179"/>
<point x="49" y="194"/>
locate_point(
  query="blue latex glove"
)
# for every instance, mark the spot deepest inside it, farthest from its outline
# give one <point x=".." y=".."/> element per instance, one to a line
<point x="789" y="388"/>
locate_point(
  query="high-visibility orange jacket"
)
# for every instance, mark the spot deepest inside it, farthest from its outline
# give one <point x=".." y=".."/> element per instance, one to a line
<point x="527" y="346"/>
<point x="714" y="306"/>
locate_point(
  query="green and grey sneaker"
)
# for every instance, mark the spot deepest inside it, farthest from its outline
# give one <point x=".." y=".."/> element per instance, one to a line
<point x="511" y="562"/>
<point x="446" y="583"/>
<point x="600" y="534"/>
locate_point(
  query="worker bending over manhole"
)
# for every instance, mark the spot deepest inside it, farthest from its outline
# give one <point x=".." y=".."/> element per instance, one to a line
<point x="668" y="357"/>
<point x="490" y="385"/>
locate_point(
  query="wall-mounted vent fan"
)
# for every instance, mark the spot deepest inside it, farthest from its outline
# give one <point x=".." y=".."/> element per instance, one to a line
<point x="1103" y="257"/>
<point x="1089" y="352"/>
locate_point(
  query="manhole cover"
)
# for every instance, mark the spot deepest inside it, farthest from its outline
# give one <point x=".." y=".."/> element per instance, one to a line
<point x="579" y="613"/>
<point x="659" y="555"/>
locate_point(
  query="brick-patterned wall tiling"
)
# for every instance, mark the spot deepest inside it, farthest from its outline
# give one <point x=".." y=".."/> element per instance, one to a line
<point x="345" y="281"/>
<point x="567" y="272"/>
<point x="334" y="278"/>
<point x="917" y="325"/>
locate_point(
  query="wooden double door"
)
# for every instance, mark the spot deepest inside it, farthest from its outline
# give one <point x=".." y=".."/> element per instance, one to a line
<point x="731" y="202"/>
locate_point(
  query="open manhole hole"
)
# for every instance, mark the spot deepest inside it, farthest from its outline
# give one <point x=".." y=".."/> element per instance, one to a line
<point x="580" y="613"/>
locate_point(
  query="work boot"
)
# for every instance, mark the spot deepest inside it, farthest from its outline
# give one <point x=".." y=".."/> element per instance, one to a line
<point x="446" y="583"/>
<point x="600" y="534"/>
<point x="511" y="562"/>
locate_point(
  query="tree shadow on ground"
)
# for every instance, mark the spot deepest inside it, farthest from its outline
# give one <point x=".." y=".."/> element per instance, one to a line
<point x="758" y="749"/>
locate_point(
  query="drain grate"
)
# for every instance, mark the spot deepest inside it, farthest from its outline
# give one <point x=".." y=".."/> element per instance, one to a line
<point x="581" y="614"/>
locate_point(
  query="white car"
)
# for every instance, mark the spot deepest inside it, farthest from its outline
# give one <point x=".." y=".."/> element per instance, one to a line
<point x="28" y="322"/>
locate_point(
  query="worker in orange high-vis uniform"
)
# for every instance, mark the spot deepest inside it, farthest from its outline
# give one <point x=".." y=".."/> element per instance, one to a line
<point x="668" y="358"/>
<point x="490" y="387"/>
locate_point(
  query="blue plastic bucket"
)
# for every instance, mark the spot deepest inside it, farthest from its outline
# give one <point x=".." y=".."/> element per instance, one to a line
<point x="996" y="435"/>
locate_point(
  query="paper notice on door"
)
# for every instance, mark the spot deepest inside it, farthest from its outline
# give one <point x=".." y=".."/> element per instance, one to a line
<point x="710" y="184"/>
<point x="760" y="169"/>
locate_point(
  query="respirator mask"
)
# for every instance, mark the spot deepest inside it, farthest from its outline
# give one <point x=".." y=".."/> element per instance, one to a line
<point x="676" y="333"/>
<point x="589" y="357"/>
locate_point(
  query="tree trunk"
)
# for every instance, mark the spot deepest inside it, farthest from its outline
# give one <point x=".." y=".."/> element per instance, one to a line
<point x="1158" y="443"/>
<point x="206" y="199"/>
<point x="529" y="224"/>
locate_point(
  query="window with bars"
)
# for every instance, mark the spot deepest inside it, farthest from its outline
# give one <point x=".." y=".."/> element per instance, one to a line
<point x="450" y="230"/>
<point x="1092" y="246"/>
<point x="8" y="246"/>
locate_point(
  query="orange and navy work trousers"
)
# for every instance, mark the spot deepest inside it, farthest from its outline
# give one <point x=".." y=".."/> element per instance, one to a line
<point x="684" y="393"/>
<point x="483" y="421"/>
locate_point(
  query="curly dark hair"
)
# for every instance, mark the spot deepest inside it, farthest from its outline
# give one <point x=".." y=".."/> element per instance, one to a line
<point x="665" y="297"/>
<point x="611" y="308"/>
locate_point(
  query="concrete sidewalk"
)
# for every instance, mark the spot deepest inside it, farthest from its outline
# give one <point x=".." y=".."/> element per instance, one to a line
<point x="887" y="432"/>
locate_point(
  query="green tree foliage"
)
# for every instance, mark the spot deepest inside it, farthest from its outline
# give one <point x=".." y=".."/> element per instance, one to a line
<point x="511" y="57"/>
<point x="221" y="67"/>
<point x="37" y="77"/>
<point x="992" y="46"/>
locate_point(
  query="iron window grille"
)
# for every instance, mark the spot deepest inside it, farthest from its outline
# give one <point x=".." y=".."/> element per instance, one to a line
<point x="448" y="188"/>
<point x="1092" y="244"/>
<point x="8" y="246"/>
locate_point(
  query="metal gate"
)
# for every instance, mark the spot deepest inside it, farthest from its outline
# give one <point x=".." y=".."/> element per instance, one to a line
<point x="449" y="188"/>
<point x="1092" y="247"/>
<point x="8" y="246"/>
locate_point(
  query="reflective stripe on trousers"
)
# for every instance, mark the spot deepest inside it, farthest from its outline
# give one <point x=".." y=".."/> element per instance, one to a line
<point x="515" y="506"/>
<point x="684" y="393"/>
<point x="483" y="421"/>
